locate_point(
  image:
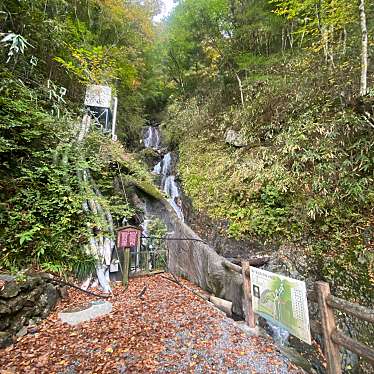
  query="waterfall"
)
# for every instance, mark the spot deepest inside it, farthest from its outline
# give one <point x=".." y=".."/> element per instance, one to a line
<point x="165" y="169"/>
<point x="280" y="335"/>
<point x="152" y="137"/>
<point x="166" y="165"/>
<point x="171" y="189"/>
<point x="169" y="184"/>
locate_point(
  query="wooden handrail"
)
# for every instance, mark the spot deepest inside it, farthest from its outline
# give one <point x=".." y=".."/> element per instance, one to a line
<point x="353" y="345"/>
<point x="238" y="269"/>
<point x="333" y="339"/>
<point x="249" y="315"/>
<point x="229" y="265"/>
<point x="353" y="309"/>
<point x="328" y="326"/>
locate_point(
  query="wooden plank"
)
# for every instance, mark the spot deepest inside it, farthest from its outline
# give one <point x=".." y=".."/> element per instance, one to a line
<point x="254" y="261"/>
<point x="359" y="311"/>
<point x="229" y="265"/>
<point x="221" y="304"/>
<point x="126" y="267"/>
<point x="328" y="327"/>
<point x="353" y="345"/>
<point x="249" y="315"/>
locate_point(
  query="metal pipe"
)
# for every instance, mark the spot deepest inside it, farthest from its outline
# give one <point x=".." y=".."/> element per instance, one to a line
<point x="114" y="118"/>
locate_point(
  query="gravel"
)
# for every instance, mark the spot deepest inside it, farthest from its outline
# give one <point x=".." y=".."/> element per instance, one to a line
<point x="228" y="347"/>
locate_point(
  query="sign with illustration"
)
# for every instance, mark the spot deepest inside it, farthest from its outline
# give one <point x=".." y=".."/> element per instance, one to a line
<point x="128" y="237"/>
<point x="98" y="96"/>
<point x="282" y="301"/>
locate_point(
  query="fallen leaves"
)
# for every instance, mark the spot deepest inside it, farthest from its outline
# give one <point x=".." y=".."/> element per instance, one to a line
<point x="166" y="330"/>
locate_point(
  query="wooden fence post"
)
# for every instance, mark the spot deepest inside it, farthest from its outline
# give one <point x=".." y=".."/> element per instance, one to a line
<point x="147" y="262"/>
<point x="249" y="315"/>
<point x="126" y="266"/>
<point x="328" y="327"/>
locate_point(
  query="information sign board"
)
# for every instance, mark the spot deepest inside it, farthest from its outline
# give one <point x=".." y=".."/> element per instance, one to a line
<point x="128" y="237"/>
<point x="282" y="301"/>
<point x="98" y="96"/>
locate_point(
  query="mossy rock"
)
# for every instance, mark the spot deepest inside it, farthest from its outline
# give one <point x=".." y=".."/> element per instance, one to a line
<point x="149" y="156"/>
<point x="147" y="187"/>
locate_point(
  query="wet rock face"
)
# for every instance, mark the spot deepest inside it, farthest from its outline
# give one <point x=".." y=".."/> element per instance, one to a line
<point x="24" y="303"/>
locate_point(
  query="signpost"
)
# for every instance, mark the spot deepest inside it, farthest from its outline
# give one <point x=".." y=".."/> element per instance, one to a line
<point x="98" y="96"/>
<point x="128" y="238"/>
<point x="282" y="301"/>
<point x="99" y="100"/>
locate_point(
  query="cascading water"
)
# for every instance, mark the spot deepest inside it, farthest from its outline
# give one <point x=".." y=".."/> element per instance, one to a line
<point x="169" y="184"/>
<point x="280" y="335"/>
<point x="165" y="168"/>
<point x="152" y="137"/>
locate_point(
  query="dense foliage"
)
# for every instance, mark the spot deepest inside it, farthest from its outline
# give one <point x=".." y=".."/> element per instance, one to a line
<point x="285" y="75"/>
<point x="49" y="51"/>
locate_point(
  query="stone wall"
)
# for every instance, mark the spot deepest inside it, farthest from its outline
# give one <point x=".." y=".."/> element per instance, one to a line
<point x="23" y="304"/>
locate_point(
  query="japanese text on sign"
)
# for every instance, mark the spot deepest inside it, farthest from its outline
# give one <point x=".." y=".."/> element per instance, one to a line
<point x="128" y="237"/>
<point x="282" y="301"/>
<point x="98" y="96"/>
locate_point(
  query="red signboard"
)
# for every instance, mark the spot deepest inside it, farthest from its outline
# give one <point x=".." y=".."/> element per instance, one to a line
<point x="128" y="237"/>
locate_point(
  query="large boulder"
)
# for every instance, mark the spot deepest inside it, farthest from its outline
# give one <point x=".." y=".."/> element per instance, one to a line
<point x="4" y="308"/>
<point x="5" y="339"/>
<point x="49" y="298"/>
<point x="236" y="139"/>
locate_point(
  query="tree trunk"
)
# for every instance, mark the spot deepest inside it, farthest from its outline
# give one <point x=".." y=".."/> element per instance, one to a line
<point x="240" y="89"/>
<point x="331" y="46"/>
<point x="344" y="41"/>
<point x="364" y="48"/>
<point x="290" y="35"/>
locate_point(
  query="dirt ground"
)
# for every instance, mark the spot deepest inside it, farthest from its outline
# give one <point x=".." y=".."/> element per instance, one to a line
<point x="167" y="330"/>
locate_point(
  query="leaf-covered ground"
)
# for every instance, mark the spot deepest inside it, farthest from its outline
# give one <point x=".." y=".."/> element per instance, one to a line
<point x="167" y="330"/>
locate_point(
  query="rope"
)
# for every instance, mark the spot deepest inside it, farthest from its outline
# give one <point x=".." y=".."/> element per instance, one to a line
<point x="123" y="186"/>
<point x="60" y="281"/>
<point x="180" y="239"/>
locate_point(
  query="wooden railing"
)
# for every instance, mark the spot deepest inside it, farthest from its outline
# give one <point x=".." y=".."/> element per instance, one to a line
<point x="333" y="338"/>
<point x="143" y="263"/>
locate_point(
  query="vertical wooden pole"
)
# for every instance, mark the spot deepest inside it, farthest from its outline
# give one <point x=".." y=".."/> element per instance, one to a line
<point x="126" y="266"/>
<point x="328" y="327"/>
<point x="146" y="262"/>
<point x="249" y="315"/>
